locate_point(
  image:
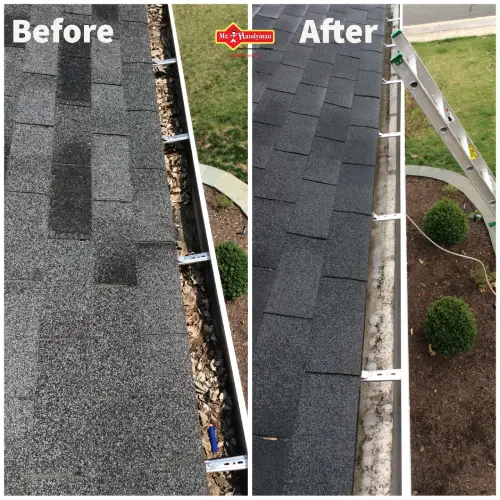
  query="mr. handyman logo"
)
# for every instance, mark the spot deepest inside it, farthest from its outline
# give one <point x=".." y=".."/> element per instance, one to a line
<point x="233" y="36"/>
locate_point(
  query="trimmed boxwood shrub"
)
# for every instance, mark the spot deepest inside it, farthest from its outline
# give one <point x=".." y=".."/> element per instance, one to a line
<point x="445" y="223"/>
<point x="450" y="326"/>
<point x="233" y="269"/>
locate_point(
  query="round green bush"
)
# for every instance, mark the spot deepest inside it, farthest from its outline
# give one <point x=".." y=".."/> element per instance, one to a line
<point x="450" y="326"/>
<point x="233" y="269"/>
<point x="445" y="223"/>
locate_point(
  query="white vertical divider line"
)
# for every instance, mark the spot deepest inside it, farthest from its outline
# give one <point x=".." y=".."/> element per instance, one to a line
<point x="497" y="241"/>
<point x="250" y="251"/>
<point x="406" y="489"/>
<point x="211" y="248"/>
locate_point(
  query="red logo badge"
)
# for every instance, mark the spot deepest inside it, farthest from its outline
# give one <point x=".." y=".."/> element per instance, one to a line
<point x="233" y="36"/>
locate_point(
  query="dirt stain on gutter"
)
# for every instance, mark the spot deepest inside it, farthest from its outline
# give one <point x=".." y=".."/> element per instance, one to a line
<point x="373" y="474"/>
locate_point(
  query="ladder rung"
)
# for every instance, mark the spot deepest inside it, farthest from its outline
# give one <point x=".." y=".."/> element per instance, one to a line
<point x="193" y="259"/>
<point x="168" y="139"/>
<point x="226" y="464"/>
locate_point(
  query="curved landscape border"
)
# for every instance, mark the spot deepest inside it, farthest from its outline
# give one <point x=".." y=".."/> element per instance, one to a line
<point x="227" y="184"/>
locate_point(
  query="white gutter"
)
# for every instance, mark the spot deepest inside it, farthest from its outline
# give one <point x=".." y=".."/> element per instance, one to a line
<point x="201" y="202"/>
<point x="404" y="333"/>
<point x="402" y="438"/>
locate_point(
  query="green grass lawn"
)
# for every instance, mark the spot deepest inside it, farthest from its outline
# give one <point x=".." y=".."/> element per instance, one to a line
<point x="464" y="70"/>
<point x="217" y="85"/>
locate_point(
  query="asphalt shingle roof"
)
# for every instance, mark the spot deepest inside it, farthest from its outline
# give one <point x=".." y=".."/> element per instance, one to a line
<point x="315" y="126"/>
<point x="99" y="397"/>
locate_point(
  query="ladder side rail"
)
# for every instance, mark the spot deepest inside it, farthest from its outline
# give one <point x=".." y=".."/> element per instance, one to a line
<point x="426" y="80"/>
<point x="437" y="97"/>
<point x="404" y="46"/>
<point x="479" y="176"/>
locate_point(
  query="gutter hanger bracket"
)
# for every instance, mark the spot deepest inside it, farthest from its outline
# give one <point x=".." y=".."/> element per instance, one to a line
<point x="380" y="375"/>
<point x="390" y="82"/>
<point x="193" y="259"/>
<point x="226" y="464"/>
<point x="169" y="139"/>
<point x="164" y="62"/>
<point x="389" y="134"/>
<point x="377" y="218"/>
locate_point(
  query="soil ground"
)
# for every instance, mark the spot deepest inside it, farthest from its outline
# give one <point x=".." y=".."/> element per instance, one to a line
<point x="452" y="398"/>
<point x="227" y="225"/>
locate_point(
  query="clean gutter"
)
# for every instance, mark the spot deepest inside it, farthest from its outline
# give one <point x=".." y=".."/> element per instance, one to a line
<point x="402" y="441"/>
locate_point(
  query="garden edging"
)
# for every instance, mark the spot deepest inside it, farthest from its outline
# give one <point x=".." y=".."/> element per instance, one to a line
<point x="462" y="184"/>
<point x="227" y="184"/>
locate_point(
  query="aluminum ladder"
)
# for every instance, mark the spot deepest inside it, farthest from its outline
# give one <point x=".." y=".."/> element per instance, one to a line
<point x="426" y="93"/>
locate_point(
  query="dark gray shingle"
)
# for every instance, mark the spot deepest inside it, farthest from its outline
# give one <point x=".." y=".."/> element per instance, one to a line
<point x="74" y="81"/>
<point x="288" y="23"/>
<point x="282" y="178"/>
<point x="263" y="281"/>
<point x="108" y="109"/>
<point x="346" y="67"/>
<point x="151" y="207"/>
<point x="365" y="111"/>
<point x="297" y="55"/>
<point x="260" y="82"/>
<point x="333" y="122"/>
<point x="73" y="136"/>
<point x="297" y="133"/>
<point x="338" y="327"/>
<point x="272" y="11"/>
<point x="277" y="366"/>
<point x="297" y="279"/>
<point x="273" y="108"/>
<point x="340" y="92"/>
<point x="139" y="87"/>
<point x="322" y="169"/>
<point x="348" y="243"/>
<point x="270" y="464"/>
<point x="308" y="100"/>
<point x="70" y="202"/>
<point x="355" y="189"/>
<point x="361" y="146"/>
<point x="30" y="160"/>
<point x="322" y="455"/>
<point x="368" y="84"/>
<point x="317" y="73"/>
<point x="106" y="63"/>
<point x="145" y="143"/>
<point x="36" y="101"/>
<point x="286" y="79"/>
<point x="313" y="209"/>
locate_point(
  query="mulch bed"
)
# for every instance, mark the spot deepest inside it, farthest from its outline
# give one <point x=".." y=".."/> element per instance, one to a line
<point x="452" y="398"/>
<point x="227" y="225"/>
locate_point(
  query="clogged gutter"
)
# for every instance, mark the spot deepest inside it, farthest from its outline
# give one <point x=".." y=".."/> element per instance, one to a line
<point x="207" y="357"/>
